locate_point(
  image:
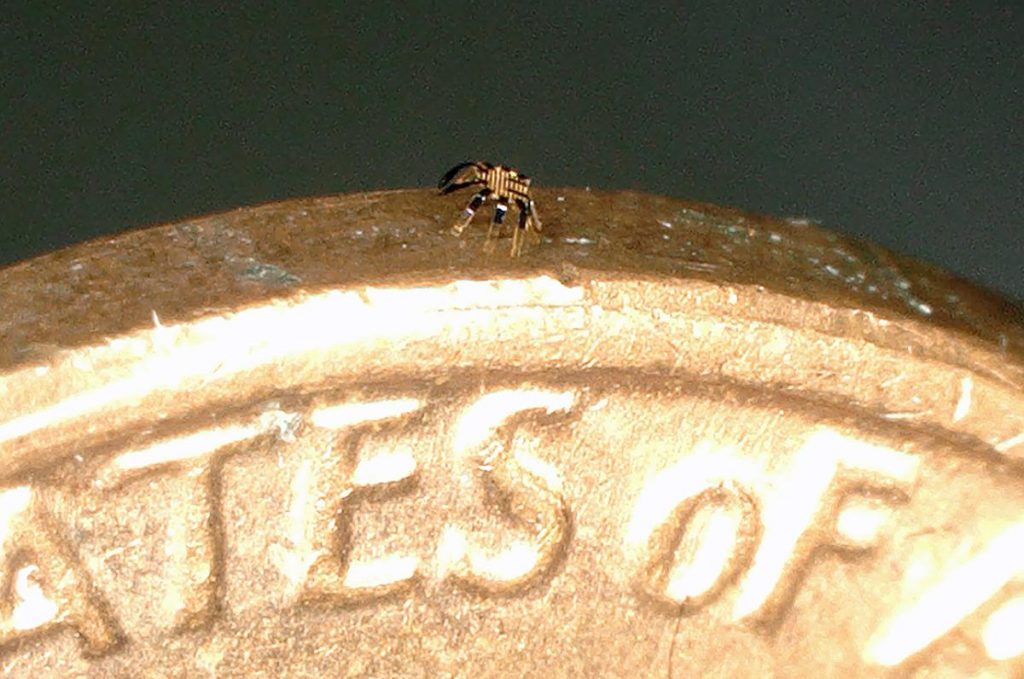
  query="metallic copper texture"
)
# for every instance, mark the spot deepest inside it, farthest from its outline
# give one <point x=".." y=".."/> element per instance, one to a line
<point x="327" y="438"/>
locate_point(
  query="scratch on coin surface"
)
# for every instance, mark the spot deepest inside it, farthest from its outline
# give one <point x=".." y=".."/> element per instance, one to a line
<point x="706" y="267"/>
<point x="904" y="415"/>
<point x="115" y="551"/>
<point x="588" y="356"/>
<point x="893" y="380"/>
<point x="659" y="317"/>
<point x="676" y="626"/>
<point x="1012" y="442"/>
<point x="963" y="405"/>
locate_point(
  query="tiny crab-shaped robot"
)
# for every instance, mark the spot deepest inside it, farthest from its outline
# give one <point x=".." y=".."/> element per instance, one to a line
<point x="502" y="183"/>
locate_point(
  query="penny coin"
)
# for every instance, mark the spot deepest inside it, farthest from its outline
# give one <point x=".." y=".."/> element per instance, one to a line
<point x="327" y="438"/>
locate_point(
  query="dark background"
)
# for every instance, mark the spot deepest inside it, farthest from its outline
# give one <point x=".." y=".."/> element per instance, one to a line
<point x="896" y="121"/>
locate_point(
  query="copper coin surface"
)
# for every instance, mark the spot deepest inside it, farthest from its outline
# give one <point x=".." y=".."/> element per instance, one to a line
<point x="327" y="438"/>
